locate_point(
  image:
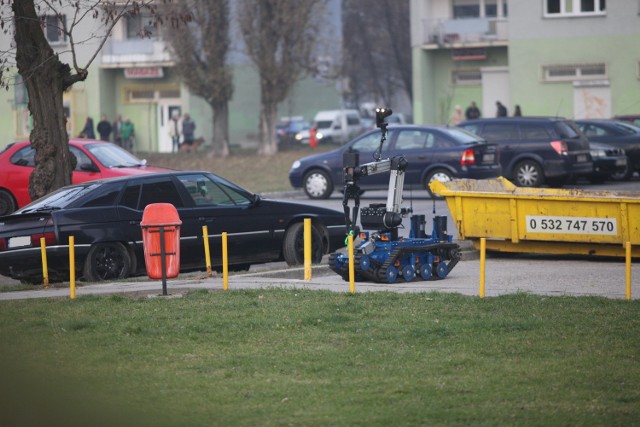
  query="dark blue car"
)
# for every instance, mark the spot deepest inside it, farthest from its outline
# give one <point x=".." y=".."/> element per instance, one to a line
<point x="433" y="152"/>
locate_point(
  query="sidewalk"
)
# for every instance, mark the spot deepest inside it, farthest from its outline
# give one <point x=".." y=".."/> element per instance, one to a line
<point x="557" y="277"/>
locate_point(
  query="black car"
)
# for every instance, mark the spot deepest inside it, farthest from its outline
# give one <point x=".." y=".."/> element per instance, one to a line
<point x="608" y="161"/>
<point x="104" y="217"/>
<point x="619" y="134"/>
<point x="290" y="132"/>
<point x="536" y="150"/>
<point x="433" y="152"/>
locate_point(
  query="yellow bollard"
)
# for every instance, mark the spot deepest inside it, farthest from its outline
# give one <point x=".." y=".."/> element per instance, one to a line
<point x="207" y="255"/>
<point x="483" y="251"/>
<point x="307" y="249"/>
<point x="45" y="268"/>
<point x="225" y="262"/>
<point x="352" y="269"/>
<point x="628" y="268"/>
<point x="72" y="268"/>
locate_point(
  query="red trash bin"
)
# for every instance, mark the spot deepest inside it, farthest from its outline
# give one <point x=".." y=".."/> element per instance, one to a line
<point x="160" y="222"/>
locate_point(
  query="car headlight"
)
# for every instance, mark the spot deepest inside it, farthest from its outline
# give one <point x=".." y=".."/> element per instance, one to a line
<point x="295" y="164"/>
<point x="298" y="137"/>
<point x="319" y="135"/>
<point x="598" y="153"/>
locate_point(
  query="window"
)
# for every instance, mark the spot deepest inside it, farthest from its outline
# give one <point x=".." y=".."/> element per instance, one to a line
<point x="54" y="28"/>
<point x="82" y="159"/>
<point x="160" y="192"/>
<point x="24" y="157"/>
<point x="103" y="196"/>
<point x="368" y="144"/>
<point x="411" y="140"/>
<point x="466" y="77"/>
<point x="204" y="191"/>
<point x="140" y="25"/>
<point x="533" y="132"/>
<point x="561" y="8"/>
<point x="501" y="132"/>
<point x="570" y="72"/>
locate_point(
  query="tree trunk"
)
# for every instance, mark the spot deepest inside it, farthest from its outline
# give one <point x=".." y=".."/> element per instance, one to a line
<point x="45" y="78"/>
<point x="268" y="142"/>
<point x="220" y="130"/>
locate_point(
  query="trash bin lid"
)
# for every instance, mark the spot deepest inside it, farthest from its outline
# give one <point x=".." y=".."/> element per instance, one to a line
<point x="160" y="214"/>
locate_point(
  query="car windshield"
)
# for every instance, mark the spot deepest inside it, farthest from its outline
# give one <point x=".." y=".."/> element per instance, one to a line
<point x="59" y="199"/>
<point x="324" y="124"/>
<point x="462" y="135"/>
<point x="627" y="128"/>
<point x="112" y="156"/>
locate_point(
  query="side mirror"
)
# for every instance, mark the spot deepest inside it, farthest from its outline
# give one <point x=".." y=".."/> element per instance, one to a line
<point x="89" y="167"/>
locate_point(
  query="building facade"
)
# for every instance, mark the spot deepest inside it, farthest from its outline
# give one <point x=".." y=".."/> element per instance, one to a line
<point x="135" y="78"/>
<point x="570" y="58"/>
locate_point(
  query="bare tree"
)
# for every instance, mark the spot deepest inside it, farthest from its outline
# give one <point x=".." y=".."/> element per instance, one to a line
<point x="201" y="52"/>
<point x="280" y="37"/>
<point x="377" y="47"/>
<point x="46" y="77"/>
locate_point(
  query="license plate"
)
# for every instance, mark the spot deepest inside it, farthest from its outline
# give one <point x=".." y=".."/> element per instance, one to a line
<point x="489" y="158"/>
<point x="621" y="162"/>
<point x="582" y="158"/>
<point x="19" y="242"/>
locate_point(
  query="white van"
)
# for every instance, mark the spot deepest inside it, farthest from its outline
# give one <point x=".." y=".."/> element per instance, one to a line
<point x="337" y="126"/>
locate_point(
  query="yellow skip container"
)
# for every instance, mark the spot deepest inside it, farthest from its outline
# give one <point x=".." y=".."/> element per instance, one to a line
<point x="543" y="220"/>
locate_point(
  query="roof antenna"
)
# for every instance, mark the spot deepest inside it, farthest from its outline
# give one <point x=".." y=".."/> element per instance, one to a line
<point x="559" y="105"/>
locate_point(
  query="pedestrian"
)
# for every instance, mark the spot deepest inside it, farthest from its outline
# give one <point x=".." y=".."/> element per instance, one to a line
<point x="87" y="130"/>
<point x="502" y="110"/>
<point x="188" y="132"/>
<point x="175" y="132"/>
<point x="456" y="116"/>
<point x="127" y="134"/>
<point x="517" y="112"/>
<point x="472" y="112"/>
<point x="117" y="130"/>
<point x="104" y="128"/>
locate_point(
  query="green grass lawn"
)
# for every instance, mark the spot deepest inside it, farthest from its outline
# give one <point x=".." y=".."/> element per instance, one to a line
<point x="316" y="358"/>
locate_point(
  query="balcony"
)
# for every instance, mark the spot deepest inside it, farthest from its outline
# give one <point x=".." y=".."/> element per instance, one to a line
<point x="135" y="52"/>
<point x="468" y="32"/>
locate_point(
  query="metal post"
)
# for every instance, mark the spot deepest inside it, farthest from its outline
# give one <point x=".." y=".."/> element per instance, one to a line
<point x="45" y="268"/>
<point x="72" y="268"/>
<point x="628" y="268"/>
<point x="225" y="262"/>
<point x="163" y="261"/>
<point x="352" y="270"/>
<point x="307" y="249"/>
<point x="483" y="251"/>
<point x="207" y="255"/>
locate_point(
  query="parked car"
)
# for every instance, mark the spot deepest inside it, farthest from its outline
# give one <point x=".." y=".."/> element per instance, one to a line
<point x="633" y="119"/>
<point x="104" y="218"/>
<point x="95" y="160"/>
<point x="289" y="131"/>
<point x="536" y="150"/>
<point x="337" y="126"/>
<point x="619" y="134"/>
<point x="607" y="161"/>
<point x="433" y="152"/>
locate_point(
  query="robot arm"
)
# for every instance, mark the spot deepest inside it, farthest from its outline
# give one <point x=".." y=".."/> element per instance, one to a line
<point x="391" y="216"/>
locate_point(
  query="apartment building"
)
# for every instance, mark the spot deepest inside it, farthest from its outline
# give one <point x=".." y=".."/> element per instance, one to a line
<point x="135" y="78"/>
<point x="572" y="58"/>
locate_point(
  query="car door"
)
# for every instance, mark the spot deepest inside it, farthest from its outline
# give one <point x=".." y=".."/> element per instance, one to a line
<point x="223" y="207"/>
<point x="417" y="146"/>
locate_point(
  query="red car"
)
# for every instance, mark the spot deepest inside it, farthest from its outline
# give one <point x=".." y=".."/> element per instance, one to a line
<point x="96" y="159"/>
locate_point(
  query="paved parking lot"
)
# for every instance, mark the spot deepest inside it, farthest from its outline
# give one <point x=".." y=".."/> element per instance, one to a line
<point x="504" y="275"/>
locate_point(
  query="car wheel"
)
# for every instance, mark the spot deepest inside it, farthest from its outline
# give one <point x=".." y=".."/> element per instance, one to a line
<point x="293" y="245"/>
<point x="528" y="173"/>
<point x="624" y="175"/>
<point x="441" y="175"/>
<point x="317" y="184"/>
<point x="7" y="204"/>
<point x="107" y="261"/>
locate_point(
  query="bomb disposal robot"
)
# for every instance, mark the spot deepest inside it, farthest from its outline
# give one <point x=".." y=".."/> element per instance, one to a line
<point x="382" y="256"/>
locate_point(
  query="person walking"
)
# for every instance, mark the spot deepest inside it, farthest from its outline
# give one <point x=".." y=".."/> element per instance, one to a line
<point x="104" y="128"/>
<point x="472" y="112"/>
<point x="517" y="112"/>
<point x="87" y="130"/>
<point x="175" y="132"/>
<point x="188" y="132"/>
<point x="117" y="130"/>
<point x="502" y="110"/>
<point x="127" y="134"/>
<point x="457" y="117"/>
